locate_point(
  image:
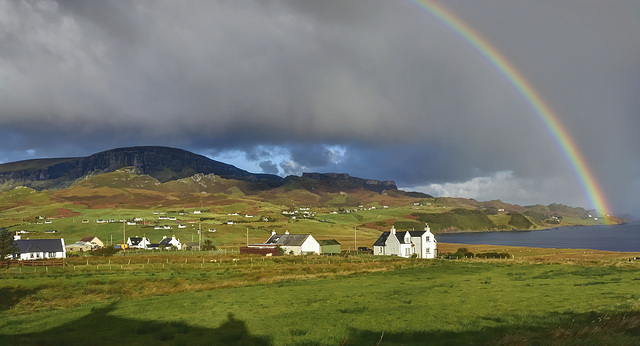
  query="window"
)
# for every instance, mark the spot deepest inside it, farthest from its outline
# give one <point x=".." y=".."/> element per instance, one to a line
<point x="380" y="249"/>
<point x="407" y="251"/>
<point x="52" y="254"/>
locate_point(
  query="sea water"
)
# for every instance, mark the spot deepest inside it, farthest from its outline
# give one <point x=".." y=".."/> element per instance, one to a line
<point x="623" y="237"/>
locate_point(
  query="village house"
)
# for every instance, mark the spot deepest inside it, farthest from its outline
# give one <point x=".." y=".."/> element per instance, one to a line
<point x="95" y="242"/>
<point x="422" y="244"/>
<point x="294" y="244"/>
<point x="79" y="246"/>
<point x="138" y="243"/>
<point x="169" y="242"/>
<point x="36" y="249"/>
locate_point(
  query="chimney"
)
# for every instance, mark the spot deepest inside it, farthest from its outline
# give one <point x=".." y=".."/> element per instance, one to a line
<point x="393" y="229"/>
<point x="273" y="232"/>
<point x="286" y="232"/>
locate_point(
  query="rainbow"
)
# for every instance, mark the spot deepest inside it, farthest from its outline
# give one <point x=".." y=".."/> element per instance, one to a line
<point x="562" y="137"/>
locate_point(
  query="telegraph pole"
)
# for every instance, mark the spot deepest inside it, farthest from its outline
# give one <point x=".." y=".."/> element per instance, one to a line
<point x="355" y="239"/>
<point x="124" y="236"/>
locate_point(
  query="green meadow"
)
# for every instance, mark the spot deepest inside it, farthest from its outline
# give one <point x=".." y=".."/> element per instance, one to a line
<point x="314" y="300"/>
<point x="221" y="298"/>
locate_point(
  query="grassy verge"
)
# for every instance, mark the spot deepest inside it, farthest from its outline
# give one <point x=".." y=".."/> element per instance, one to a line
<point x="323" y="301"/>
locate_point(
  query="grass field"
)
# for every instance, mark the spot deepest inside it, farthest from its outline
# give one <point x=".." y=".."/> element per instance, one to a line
<point x="536" y="298"/>
<point x="539" y="296"/>
<point x="123" y="195"/>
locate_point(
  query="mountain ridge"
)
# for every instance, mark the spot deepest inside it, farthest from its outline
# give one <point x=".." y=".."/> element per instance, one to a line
<point x="162" y="163"/>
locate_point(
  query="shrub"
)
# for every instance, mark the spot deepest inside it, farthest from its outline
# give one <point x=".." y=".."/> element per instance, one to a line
<point x="490" y="211"/>
<point x="493" y="255"/>
<point x="105" y="251"/>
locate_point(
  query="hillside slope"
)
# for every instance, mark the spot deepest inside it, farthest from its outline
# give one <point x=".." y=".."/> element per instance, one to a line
<point x="162" y="163"/>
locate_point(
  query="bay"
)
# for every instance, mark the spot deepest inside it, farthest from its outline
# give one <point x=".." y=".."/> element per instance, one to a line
<point x="623" y="237"/>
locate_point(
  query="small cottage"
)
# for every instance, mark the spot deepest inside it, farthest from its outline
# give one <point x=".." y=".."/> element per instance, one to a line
<point x="138" y="242"/>
<point x="35" y="249"/>
<point x="95" y="242"/>
<point x="294" y="244"/>
<point x="169" y="242"/>
<point x="422" y="244"/>
<point x="79" y="247"/>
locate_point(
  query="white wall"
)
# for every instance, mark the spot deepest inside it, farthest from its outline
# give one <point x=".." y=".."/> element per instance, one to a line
<point x="310" y="245"/>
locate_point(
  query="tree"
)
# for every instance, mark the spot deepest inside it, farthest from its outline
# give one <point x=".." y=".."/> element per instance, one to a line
<point x="7" y="245"/>
<point x="208" y="245"/>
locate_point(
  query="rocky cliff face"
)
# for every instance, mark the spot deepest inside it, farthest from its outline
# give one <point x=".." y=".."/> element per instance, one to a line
<point x="369" y="184"/>
<point x="161" y="163"/>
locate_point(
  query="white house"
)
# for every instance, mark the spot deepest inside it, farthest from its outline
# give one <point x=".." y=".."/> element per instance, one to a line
<point x="297" y="244"/>
<point x="169" y="242"/>
<point x="35" y="249"/>
<point x="406" y="244"/>
<point x="138" y="243"/>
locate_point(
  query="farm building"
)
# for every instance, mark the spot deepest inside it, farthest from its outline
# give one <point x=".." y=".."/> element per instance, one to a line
<point x="294" y="244"/>
<point x="329" y="246"/>
<point x="422" y="244"/>
<point x="35" y="249"/>
<point x="192" y="245"/>
<point x="79" y="247"/>
<point x="95" y="242"/>
<point x="261" y="249"/>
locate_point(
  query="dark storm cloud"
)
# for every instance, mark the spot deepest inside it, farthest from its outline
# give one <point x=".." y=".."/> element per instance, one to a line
<point x="269" y="167"/>
<point x="377" y="89"/>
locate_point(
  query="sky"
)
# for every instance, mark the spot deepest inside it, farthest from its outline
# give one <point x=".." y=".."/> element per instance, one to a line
<point x="378" y="89"/>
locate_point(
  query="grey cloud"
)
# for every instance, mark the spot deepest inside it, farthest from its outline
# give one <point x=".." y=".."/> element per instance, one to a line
<point x="269" y="167"/>
<point x="282" y="81"/>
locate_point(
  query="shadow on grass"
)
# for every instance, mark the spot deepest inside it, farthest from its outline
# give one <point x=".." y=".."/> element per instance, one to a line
<point x="101" y="328"/>
<point x="559" y="329"/>
<point x="12" y="296"/>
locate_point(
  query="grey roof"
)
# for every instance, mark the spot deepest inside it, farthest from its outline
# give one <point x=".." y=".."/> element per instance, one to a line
<point x="417" y="233"/>
<point x="326" y="242"/>
<point x="39" y="245"/>
<point x="287" y="239"/>
<point x="165" y="242"/>
<point x="382" y="239"/>
<point x="401" y="235"/>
